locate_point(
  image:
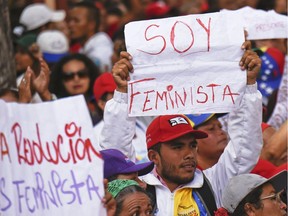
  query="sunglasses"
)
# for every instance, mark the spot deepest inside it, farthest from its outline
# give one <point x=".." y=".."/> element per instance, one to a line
<point x="67" y="76"/>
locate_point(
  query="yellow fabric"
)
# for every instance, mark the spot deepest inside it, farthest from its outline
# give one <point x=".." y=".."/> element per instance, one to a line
<point x="184" y="204"/>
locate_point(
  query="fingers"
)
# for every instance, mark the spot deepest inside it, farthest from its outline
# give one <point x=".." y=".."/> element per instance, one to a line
<point x="124" y="54"/>
<point x="44" y="66"/>
<point x="24" y="88"/>
<point x="247" y="45"/>
<point x="121" y="70"/>
<point x="26" y="80"/>
<point x="250" y="60"/>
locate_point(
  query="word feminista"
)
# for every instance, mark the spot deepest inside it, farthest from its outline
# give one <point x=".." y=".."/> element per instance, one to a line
<point x="170" y="98"/>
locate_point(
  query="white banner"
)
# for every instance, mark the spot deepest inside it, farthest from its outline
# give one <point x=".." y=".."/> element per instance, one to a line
<point x="186" y="64"/>
<point x="48" y="165"/>
<point x="262" y="24"/>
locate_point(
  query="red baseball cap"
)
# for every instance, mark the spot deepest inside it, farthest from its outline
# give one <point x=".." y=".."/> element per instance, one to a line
<point x="169" y="127"/>
<point x="103" y="84"/>
<point x="156" y="10"/>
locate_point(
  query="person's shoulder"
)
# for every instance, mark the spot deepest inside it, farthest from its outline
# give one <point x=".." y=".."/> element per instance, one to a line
<point x="100" y="37"/>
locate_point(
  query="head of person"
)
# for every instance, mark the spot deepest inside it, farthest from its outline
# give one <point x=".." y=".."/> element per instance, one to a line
<point x="172" y="146"/>
<point x="54" y="45"/>
<point x="74" y="74"/>
<point x="130" y="198"/>
<point x="251" y="194"/>
<point x="38" y="17"/>
<point x="118" y="166"/>
<point x="83" y="21"/>
<point x="103" y="90"/>
<point x="210" y="148"/>
<point x="22" y="52"/>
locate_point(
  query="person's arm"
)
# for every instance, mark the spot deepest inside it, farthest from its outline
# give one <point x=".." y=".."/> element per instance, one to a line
<point x="244" y="128"/>
<point x="276" y="145"/>
<point x="119" y="129"/>
<point x="279" y="114"/>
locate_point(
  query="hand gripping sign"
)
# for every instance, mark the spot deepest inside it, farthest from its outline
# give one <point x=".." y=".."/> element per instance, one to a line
<point x="185" y="64"/>
<point x="48" y="164"/>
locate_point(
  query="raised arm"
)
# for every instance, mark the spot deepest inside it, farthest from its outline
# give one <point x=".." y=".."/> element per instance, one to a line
<point x="119" y="129"/>
<point x="244" y="129"/>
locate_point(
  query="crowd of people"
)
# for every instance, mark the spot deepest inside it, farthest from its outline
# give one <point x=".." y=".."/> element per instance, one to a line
<point x="209" y="164"/>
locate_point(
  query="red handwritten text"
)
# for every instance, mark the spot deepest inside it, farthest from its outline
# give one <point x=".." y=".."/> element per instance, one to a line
<point x="64" y="150"/>
<point x="187" y="97"/>
<point x="189" y="38"/>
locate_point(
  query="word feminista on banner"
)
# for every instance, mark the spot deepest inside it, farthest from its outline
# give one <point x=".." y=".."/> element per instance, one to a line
<point x="185" y="64"/>
<point x="48" y="163"/>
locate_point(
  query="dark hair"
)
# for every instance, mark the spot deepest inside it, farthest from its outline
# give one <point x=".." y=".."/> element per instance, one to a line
<point x="253" y="197"/>
<point x="127" y="191"/>
<point x="156" y="148"/>
<point x="56" y="83"/>
<point x="93" y="12"/>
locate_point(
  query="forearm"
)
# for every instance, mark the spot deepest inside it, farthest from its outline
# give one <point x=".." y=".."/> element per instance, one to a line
<point x="243" y="150"/>
<point x="119" y="129"/>
<point x="277" y="145"/>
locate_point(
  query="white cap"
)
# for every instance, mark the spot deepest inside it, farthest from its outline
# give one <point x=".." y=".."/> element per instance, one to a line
<point x="53" y="44"/>
<point x="38" y="14"/>
<point x="240" y="186"/>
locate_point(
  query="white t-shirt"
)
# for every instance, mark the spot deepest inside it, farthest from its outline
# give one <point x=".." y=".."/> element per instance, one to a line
<point x="99" y="48"/>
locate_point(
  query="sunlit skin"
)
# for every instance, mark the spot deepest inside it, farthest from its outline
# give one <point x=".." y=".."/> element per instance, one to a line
<point x="77" y="85"/>
<point x="211" y="148"/>
<point x="132" y="176"/>
<point x="176" y="162"/>
<point x="270" y="207"/>
<point x="136" y="204"/>
<point x="80" y="27"/>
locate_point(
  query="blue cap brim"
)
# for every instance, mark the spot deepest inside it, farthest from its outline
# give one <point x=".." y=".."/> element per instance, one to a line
<point x="52" y="58"/>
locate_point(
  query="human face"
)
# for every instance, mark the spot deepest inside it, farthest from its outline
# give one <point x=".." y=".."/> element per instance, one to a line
<point x="270" y="206"/>
<point x="176" y="162"/>
<point x="77" y="85"/>
<point x="136" y="204"/>
<point x="78" y="23"/>
<point x="132" y="176"/>
<point x="22" y="60"/>
<point x="213" y="146"/>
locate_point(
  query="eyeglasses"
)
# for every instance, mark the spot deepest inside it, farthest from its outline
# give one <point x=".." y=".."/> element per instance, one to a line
<point x="67" y="76"/>
<point x="275" y="197"/>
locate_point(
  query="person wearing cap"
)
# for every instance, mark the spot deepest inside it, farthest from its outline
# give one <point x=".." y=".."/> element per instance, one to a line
<point x="54" y="45"/>
<point x="211" y="148"/>
<point x="23" y="54"/>
<point x="27" y="58"/>
<point x="130" y="198"/>
<point x="118" y="166"/>
<point x="83" y="23"/>
<point x="38" y="17"/>
<point x="254" y="195"/>
<point x="172" y="145"/>
<point x="103" y="89"/>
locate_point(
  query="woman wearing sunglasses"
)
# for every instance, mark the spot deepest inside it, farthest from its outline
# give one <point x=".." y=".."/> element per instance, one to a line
<point x="73" y="75"/>
<point x="254" y="195"/>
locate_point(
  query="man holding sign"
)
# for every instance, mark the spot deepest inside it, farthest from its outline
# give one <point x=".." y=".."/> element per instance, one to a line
<point x="180" y="188"/>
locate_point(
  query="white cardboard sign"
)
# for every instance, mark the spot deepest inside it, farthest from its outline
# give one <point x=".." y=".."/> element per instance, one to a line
<point x="186" y="64"/>
<point x="48" y="165"/>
